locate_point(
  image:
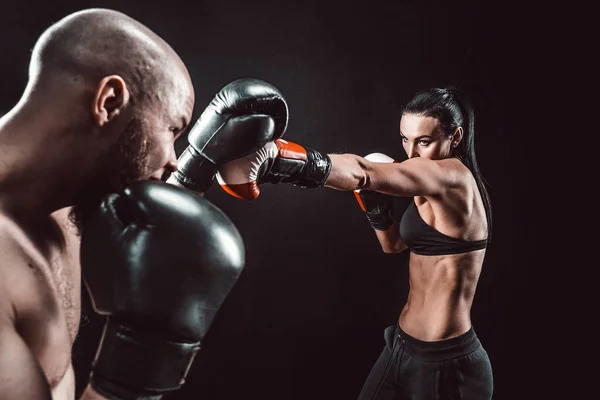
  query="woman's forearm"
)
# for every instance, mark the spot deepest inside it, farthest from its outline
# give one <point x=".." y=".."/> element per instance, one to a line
<point x="347" y="172"/>
<point x="390" y="239"/>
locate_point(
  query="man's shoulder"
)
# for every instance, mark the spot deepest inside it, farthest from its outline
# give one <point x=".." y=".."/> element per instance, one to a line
<point x="20" y="260"/>
<point x="40" y="241"/>
<point x="15" y="243"/>
<point x="23" y="269"/>
<point x="13" y="259"/>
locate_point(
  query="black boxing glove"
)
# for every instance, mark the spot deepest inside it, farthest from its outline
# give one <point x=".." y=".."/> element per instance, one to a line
<point x="243" y="116"/>
<point x="158" y="261"/>
<point x="378" y="207"/>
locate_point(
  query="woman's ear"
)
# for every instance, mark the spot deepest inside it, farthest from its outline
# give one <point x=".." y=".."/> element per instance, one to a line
<point x="457" y="136"/>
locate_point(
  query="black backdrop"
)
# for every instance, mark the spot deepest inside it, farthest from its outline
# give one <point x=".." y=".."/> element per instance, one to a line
<point x="306" y="317"/>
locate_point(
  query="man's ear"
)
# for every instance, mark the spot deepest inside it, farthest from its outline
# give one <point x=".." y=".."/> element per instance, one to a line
<point x="457" y="136"/>
<point x="110" y="99"/>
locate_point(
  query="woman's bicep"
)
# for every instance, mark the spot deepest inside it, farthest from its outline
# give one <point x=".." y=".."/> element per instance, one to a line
<point x="413" y="177"/>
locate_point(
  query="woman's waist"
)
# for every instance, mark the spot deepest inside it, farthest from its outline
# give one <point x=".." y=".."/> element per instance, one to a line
<point x="437" y="350"/>
<point x="435" y="319"/>
<point x="442" y="285"/>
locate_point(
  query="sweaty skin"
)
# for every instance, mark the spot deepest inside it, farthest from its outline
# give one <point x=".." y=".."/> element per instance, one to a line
<point x="105" y="100"/>
<point x="441" y="287"/>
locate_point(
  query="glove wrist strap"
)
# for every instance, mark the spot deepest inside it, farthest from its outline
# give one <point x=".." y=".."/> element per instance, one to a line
<point x="130" y="364"/>
<point x="114" y="391"/>
<point x="316" y="171"/>
<point x="194" y="171"/>
<point x="379" y="221"/>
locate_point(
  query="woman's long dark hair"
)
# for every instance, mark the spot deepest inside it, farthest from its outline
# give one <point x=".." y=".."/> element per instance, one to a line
<point x="452" y="108"/>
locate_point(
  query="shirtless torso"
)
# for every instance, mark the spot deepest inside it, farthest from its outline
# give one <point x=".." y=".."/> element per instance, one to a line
<point x="41" y="293"/>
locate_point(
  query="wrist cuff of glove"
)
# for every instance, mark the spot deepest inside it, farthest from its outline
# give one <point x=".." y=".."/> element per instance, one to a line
<point x="114" y="391"/>
<point x="194" y="171"/>
<point x="378" y="221"/>
<point x="316" y="170"/>
<point x="131" y="364"/>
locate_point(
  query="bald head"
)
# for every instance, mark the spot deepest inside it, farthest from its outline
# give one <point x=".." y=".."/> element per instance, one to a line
<point x="105" y="101"/>
<point x="88" y="45"/>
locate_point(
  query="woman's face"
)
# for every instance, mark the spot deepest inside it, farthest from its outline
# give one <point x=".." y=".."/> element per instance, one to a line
<point x="422" y="136"/>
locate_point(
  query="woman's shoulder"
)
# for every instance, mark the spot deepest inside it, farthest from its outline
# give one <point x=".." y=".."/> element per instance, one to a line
<point x="456" y="173"/>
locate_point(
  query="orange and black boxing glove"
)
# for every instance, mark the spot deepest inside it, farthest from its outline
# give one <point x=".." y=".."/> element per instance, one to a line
<point x="279" y="161"/>
<point x="378" y="207"/>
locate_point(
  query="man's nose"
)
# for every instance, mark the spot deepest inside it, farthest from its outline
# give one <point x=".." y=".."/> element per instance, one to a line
<point x="171" y="165"/>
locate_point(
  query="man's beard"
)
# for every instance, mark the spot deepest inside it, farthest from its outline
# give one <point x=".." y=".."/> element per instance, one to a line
<point x="123" y="164"/>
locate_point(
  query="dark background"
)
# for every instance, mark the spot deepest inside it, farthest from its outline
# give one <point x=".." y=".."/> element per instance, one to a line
<point x="305" y="320"/>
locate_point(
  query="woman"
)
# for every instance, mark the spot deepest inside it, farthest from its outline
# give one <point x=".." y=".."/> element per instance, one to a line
<point x="433" y="351"/>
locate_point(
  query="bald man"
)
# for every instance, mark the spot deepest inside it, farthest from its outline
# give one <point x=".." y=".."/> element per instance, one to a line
<point x="105" y="100"/>
<point x="88" y="168"/>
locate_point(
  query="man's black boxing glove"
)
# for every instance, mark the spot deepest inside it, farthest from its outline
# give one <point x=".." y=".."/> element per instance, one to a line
<point x="158" y="261"/>
<point x="242" y="117"/>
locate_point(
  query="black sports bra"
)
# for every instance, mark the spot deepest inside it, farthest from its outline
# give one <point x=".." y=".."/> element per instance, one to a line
<point x="424" y="240"/>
